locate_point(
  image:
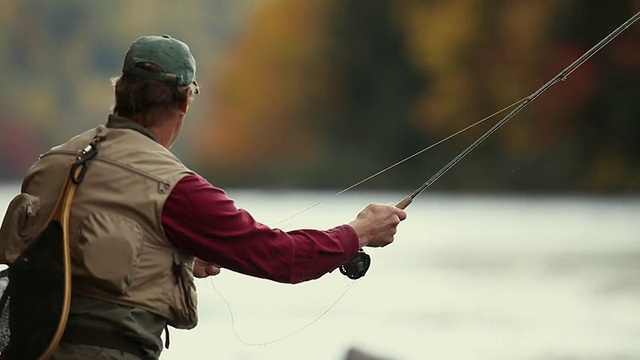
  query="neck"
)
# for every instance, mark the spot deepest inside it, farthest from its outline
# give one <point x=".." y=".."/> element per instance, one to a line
<point x="167" y="131"/>
<point x="165" y="128"/>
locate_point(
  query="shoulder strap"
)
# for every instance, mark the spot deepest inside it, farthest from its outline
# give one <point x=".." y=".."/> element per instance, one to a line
<point x="61" y="214"/>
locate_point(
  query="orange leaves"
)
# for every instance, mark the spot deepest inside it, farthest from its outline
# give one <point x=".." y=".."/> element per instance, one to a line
<point x="266" y="88"/>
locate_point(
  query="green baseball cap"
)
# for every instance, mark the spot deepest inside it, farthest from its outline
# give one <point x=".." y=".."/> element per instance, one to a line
<point x="172" y="55"/>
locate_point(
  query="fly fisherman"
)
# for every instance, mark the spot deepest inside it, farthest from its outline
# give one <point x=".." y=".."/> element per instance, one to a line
<point x="141" y="225"/>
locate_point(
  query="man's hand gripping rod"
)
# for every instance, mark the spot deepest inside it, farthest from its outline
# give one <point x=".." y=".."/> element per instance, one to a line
<point x="358" y="267"/>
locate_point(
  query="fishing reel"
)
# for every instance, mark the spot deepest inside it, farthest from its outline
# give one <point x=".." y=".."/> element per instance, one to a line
<point x="356" y="268"/>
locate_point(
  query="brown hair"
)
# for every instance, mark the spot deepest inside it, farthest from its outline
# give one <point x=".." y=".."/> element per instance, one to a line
<point x="136" y="97"/>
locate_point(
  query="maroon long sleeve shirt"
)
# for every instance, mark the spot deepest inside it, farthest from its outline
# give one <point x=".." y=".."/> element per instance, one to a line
<point x="202" y="220"/>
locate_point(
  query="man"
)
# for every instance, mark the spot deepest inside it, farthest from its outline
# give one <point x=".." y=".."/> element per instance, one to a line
<point x="142" y="224"/>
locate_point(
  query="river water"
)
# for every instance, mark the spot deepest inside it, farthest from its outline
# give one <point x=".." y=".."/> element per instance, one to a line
<point x="468" y="277"/>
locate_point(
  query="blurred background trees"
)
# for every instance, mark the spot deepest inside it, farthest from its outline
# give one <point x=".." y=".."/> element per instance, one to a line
<point x="323" y="93"/>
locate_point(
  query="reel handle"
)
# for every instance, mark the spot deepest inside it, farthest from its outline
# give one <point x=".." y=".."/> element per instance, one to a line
<point x="402" y="204"/>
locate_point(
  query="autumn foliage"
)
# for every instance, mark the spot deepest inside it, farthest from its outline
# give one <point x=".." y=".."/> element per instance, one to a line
<point x="324" y="93"/>
<point x="321" y="93"/>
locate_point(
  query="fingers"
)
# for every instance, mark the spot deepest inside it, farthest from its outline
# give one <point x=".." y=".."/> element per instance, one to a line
<point x="212" y="270"/>
<point x="390" y="224"/>
<point x="377" y="224"/>
<point x="400" y="213"/>
<point x="202" y="269"/>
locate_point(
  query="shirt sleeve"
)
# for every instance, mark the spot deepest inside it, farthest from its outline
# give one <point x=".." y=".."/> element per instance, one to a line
<point x="202" y="220"/>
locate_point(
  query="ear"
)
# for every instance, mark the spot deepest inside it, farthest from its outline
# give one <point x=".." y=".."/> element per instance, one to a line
<point x="183" y="106"/>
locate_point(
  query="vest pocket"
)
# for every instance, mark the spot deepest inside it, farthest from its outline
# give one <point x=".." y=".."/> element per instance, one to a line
<point x="108" y="251"/>
<point x="185" y="301"/>
<point x="22" y="224"/>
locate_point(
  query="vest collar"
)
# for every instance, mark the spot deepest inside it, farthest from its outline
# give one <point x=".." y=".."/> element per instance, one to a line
<point x="118" y="122"/>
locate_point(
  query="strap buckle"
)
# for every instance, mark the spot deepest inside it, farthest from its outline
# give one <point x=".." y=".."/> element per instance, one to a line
<point x="79" y="167"/>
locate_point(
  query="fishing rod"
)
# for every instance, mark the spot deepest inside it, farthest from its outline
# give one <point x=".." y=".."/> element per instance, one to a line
<point x="358" y="267"/>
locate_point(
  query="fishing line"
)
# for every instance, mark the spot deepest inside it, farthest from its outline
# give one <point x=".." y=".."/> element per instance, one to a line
<point x="405" y="159"/>
<point x="237" y="335"/>
<point x="521" y="104"/>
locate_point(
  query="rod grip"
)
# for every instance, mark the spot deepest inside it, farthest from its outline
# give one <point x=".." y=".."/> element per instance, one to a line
<point x="402" y="204"/>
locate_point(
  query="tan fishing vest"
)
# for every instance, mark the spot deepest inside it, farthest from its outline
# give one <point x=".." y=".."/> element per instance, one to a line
<point x="119" y="252"/>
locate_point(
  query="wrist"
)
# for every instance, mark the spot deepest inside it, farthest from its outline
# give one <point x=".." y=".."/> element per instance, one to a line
<point x="363" y="238"/>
